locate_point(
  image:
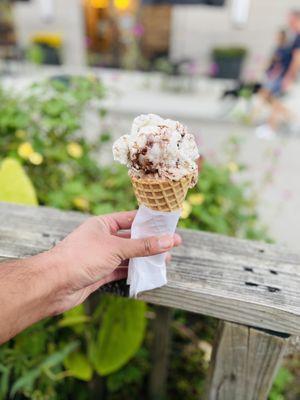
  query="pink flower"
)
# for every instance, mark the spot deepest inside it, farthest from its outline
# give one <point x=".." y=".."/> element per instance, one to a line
<point x="192" y="68"/>
<point x="138" y="30"/>
<point x="287" y="194"/>
<point x="198" y="139"/>
<point x="213" y="69"/>
<point x="277" y="152"/>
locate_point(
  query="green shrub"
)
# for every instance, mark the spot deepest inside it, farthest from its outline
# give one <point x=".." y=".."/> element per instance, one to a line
<point x="229" y="52"/>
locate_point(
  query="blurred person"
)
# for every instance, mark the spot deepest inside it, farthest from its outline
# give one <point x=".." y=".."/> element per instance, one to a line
<point x="280" y="77"/>
<point x="57" y="280"/>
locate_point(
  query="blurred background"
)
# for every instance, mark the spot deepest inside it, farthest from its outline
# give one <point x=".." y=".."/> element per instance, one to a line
<point x="73" y="75"/>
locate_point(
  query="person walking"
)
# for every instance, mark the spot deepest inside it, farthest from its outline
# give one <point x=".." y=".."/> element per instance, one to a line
<point x="280" y="77"/>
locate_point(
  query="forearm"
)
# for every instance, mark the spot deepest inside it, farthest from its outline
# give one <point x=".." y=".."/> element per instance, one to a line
<point x="28" y="292"/>
<point x="294" y="67"/>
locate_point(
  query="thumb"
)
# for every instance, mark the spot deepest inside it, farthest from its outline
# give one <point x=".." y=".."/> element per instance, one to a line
<point x="130" y="248"/>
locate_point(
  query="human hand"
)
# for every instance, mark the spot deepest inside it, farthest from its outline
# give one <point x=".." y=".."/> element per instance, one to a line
<point x="97" y="252"/>
<point x="286" y="84"/>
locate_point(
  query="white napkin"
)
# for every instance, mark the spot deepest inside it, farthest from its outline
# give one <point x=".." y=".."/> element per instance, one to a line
<point x="145" y="273"/>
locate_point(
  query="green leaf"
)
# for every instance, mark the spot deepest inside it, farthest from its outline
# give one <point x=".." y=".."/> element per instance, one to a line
<point x="32" y="343"/>
<point x="120" y="335"/>
<point x="4" y="381"/>
<point x="75" y="312"/>
<point x="58" y="357"/>
<point x="26" y="381"/>
<point x="75" y="320"/>
<point x="15" y="186"/>
<point x="282" y="381"/>
<point x="79" y="366"/>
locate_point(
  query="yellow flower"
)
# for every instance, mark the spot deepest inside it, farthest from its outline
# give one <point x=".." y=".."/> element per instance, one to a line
<point x="74" y="150"/>
<point x="233" y="167"/>
<point x="81" y="203"/>
<point x="25" y="150"/>
<point x="196" y="199"/>
<point x="186" y="210"/>
<point x="122" y="4"/>
<point x="20" y="134"/>
<point x="92" y="78"/>
<point x="52" y="39"/>
<point x="36" y="158"/>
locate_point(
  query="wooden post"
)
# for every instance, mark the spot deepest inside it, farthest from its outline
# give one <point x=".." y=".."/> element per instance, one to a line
<point x="244" y="363"/>
<point x="160" y="353"/>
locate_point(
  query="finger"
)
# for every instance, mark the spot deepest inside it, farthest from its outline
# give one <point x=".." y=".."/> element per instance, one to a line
<point x="120" y="220"/>
<point x="199" y="163"/>
<point x="116" y="275"/>
<point x="168" y="258"/>
<point x="124" y="234"/>
<point x="124" y="263"/>
<point x="127" y="235"/>
<point x="129" y="248"/>
<point x="177" y="240"/>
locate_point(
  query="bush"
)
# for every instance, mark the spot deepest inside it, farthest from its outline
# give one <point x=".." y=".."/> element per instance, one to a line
<point x="229" y="52"/>
<point x="42" y="130"/>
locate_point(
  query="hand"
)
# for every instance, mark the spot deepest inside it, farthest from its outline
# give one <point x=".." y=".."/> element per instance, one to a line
<point x="97" y="253"/>
<point x="286" y="84"/>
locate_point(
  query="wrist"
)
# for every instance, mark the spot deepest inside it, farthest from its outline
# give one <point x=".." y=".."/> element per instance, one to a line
<point x="29" y="292"/>
<point x="53" y="280"/>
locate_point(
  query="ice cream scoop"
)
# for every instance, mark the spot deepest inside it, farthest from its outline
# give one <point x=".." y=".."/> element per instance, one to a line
<point x="158" y="148"/>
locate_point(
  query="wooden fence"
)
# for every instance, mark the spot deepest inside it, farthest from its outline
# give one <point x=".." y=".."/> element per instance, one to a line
<point x="253" y="288"/>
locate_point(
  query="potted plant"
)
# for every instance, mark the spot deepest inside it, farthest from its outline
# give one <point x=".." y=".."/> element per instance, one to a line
<point x="228" y="62"/>
<point x="45" y="49"/>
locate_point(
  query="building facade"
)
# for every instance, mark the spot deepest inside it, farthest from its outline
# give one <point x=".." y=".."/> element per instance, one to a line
<point x="194" y="29"/>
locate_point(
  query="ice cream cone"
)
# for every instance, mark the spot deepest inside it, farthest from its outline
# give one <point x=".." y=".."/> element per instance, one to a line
<point x="161" y="194"/>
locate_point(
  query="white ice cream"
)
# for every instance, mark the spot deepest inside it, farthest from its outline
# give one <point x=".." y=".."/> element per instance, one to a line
<point x="157" y="147"/>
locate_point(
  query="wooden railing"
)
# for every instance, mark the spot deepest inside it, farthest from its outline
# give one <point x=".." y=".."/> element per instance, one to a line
<point x="253" y="288"/>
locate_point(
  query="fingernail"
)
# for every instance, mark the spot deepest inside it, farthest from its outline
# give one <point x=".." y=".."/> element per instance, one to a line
<point x="177" y="239"/>
<point x="165" y="242"/>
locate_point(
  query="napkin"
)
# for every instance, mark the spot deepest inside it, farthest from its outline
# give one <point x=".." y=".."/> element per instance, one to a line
<point x="146" y="273"/>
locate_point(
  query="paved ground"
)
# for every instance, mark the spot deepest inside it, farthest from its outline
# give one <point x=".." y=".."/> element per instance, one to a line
<point x="279" y="199"/>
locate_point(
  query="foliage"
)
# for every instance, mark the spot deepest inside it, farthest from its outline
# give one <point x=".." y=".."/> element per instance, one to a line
<point x="217" y="204"/>
<point x="42" y="129"/>
<point x="120" y="336"/>
<point x="229" y="52"/>
<point x="283" y="379"/>
<point x="15" y="186"/>
<point x="73" y="346"/>
<point x="59" y="162"/>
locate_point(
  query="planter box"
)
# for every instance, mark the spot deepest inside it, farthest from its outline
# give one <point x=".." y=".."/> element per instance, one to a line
<point x="228" y="67"/>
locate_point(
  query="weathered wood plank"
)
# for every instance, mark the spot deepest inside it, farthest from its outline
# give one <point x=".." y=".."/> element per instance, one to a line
<point x="244" y="363"/>
<point x="246" y="282"/>
<point x="160" y="353"/>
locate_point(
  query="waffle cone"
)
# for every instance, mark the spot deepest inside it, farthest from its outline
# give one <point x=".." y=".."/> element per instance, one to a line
<point x="161" y="195"/>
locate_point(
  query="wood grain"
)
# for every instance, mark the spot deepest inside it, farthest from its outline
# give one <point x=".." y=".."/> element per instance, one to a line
<point x="241" y="281"/>
<point x="160" y="353"/>
<point x="244" y="363"/>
